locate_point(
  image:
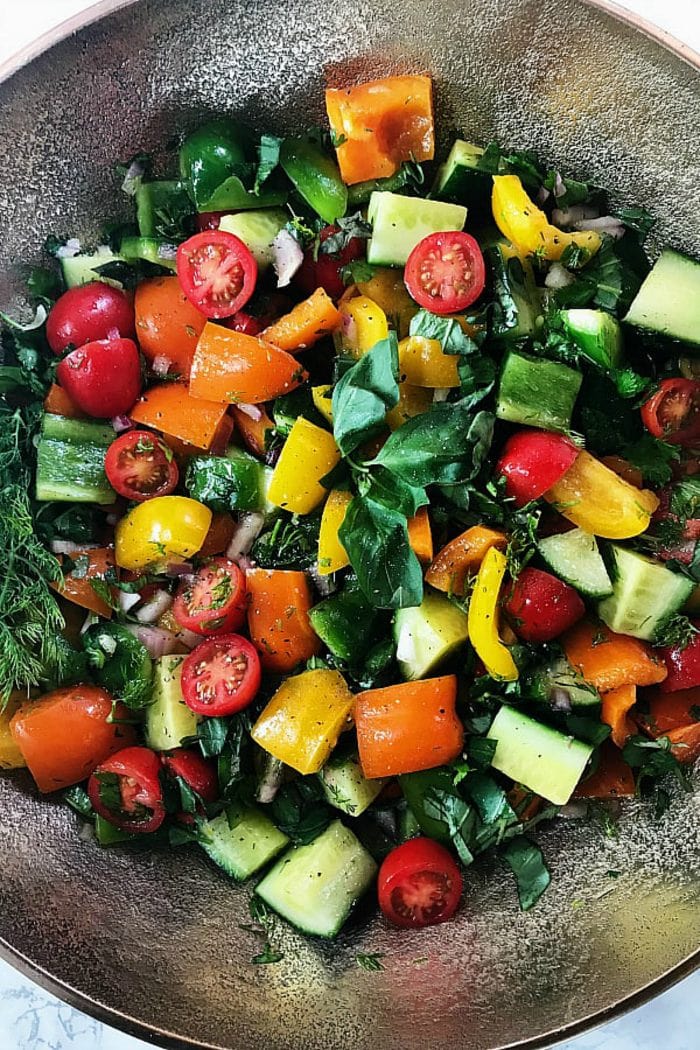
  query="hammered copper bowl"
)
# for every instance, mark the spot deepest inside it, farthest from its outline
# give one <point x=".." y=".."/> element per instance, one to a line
<point x="153" y="944"/>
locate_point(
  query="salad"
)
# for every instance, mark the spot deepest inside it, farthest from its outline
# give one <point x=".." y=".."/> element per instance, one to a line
<point x="351" y="510"/>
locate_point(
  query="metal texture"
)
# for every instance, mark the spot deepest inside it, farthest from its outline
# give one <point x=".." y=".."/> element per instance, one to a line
<point x="152" y="943"/>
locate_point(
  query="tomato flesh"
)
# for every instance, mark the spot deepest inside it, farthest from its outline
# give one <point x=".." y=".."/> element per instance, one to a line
<point x="541" y="607"/>
<point x="419" y="884"/>
<point x="139" y="465"/>
<point x="324" y="270"/>
<point x="126" y="790"/>
<point x="217" y="272"/>
<point x="221" y="676"/>
<point x="534" y="460"/>
<point x="683" y="665"/>
<point x="102" y="377"/>
<point x="445" y="272"/>
<point x="673" y="412"/>
<point x="87" y="313"/>
<point x="214" y="602"/>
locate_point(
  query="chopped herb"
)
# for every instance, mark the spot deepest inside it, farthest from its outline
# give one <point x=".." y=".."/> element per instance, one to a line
<point x="371" y="961"/>
<point x="527" y="864"/>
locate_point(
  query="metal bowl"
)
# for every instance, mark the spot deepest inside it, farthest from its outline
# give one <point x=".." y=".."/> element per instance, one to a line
<point x="153" y="944"/>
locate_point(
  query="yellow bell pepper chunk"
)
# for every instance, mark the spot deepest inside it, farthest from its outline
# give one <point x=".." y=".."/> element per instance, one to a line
<point x="598" y="500"/>
<point x="386" y="289"/>
<point x="482" y="620"/>
<point x="307" y="455"/>
<point x="10" y="755"/>
<point x="321" y="397"/>
<point x="527" y="227"/>
<point x="422" y="362"/>
<point x="363" y="323"/>
<point x="413" y="401"/>
<point x="161" y="530"/>
<point x="302" y="722"/>
<point x="331" y="553"/>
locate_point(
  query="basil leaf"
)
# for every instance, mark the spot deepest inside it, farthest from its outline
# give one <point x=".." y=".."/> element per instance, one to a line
<point x="443" y="446"/>
<point x="448" y="332"/>
<point x="364" y="394"/>
<point x="384" y="487"/>
<point x="452" y="810"/>
<point x="489" y="799"/>
<point x="527" y="864"/>
<point x="269" y="157"/>
<point x="376" y="540"/>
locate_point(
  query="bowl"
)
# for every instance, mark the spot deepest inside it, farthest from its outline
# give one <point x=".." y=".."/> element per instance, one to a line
<point x="156" y="944"/>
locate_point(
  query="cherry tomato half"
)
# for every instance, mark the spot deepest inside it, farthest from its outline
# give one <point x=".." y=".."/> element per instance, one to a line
<point x="217" y="272"/>
<point x="221" y="676"/>
<point x="103" y="378"/>
<point x="198" y="773"/>
<point x="87" y="313"/>
<point x="126" y="790"/>
<point x="673" y="412"/>
<point x="214" y="602"/>
<point x="541" y="607"/>
<point x="139" y="465"/>
<point x="445" y="272"/>
<point x="534" y="460"/>
<point x="324" y="270"/>
<point x="419" y="884"/>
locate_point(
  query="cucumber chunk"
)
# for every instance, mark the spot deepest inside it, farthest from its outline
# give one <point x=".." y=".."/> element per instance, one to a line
<point x="543" y="759"/>
<point x="668" y="301"/>
<point x="151" y="249"/>
<point x="162" y="208"/>
<point x="645" y="594"/>
<point x="241" y="841"/>
<point x="537" y="392"/>
<point x="427" y="634"/>
<point x="597" y="334"/>
<point x="560" y="686"/>
<point x="518" y="302"/>
<point x="257" y="230"/>
<point x="80" y="269"/>
<point x="459" y="180"/>
<point x="399" y="223"/>
<point x="70" y="461"/>
<point x="345" y="786"/>
<point x="316" y="886"/>
<point x="169" y="720"/>
<point x="574" y="557"/>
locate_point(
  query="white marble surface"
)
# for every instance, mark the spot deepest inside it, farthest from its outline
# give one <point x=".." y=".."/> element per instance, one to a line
<point x="30" y="1019"/>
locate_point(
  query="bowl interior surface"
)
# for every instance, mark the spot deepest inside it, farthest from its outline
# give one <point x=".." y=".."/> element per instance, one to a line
<point x="154" y="943"/>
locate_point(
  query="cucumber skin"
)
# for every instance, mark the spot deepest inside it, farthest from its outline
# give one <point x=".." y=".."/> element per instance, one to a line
<point x="537" y="392"/>
<point x="550" y="549"/>
<point x="70" y="461"/>
<point x="234" y="848"/>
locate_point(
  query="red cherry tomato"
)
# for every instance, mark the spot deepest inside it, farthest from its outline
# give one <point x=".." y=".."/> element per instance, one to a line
<point x="534" y="460"/>
<point x="542" y="607"/>
<point x="246" y="323"/>
<point x="126" y="790"/>
<point x="214" y="602"/>
<point x="683" y="665"/>
<point x="198" y="773"/>
<point x="445" y="272"/>
<point x="209" y="220"/>
<point x="324" y="270"/>
<point x="139" y="465"/>
<point x="673" y="412"/>
<point x="221" y="676"/>
<point x="217" y="272"/>
<point x="103" y="378"/>
<point x="88" y="313"/>
<point x="419" y="884"/>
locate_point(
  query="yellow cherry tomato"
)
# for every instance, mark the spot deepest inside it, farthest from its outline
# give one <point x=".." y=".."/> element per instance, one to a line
<point x="307" y="455"/>
<point x="332" y="555"/>
<point x="363" y="323"/>
<point x="422" y="362"/>
<point x="482" y="619"/>
<point x="598" y="500"/>
<point x="527" y="227"/>
<point x="413" y="401"/>
<point x="161" y="530"/>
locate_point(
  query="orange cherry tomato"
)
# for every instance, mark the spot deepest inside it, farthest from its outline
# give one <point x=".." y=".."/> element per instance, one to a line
<point x="167" y="324"/>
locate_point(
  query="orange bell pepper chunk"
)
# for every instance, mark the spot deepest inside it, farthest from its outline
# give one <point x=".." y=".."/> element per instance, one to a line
<point x="65" y="734"/>
<point x="420" y="536"/>
<point x="461" y="558"/>
<point x="253" y="431"/>
<point x="170" y="409"/>
<point x="79" y="589"/>
<point x="608" y="660"/>
<point x="612" y="779"/>
<point x="685" y="742"/>
<point x="278" y="618"/>
<point x="59" y="403"/>
<point x="668" y="711"/>
<point x="310" y="320"/>
<point x="167" y="323"/>
<point x="233" y="367"/>
<point x="614" y="712"/>
<point x="380" y="125"/>
<point x="408" y="727"/>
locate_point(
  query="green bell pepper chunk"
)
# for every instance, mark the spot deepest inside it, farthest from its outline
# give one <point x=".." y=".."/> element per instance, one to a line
<point x="345" y="623"/>
<point x="235" y="481"/>
<point x="232" y="195"/>
<point x="316" y="177"/>
<point x="213" y="153"/>
<point x="360" y="192"/>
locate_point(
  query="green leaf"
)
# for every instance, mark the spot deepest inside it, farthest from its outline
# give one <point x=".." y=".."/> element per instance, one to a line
<point x="385" y="487"/>
<point x="444" y="446"/>
<point x="654" y="759"/>
<point x="122" y="664"/>
<point x="376" y="541"/>
<point x="364" y="394"/>
<point x="269" y="156"/>
<point x="371" y="961"/>
<point x="637" y="219"/>
<point x="448" y="332"/>
<point x="300" y="810"/>
<point x="291" y="543"/>
<point x="349" y="227"/>
<point x="77" y="799"/>
<point x="527" y="864"/>
<point x="653" y="458"/>
<point x="488" y="797"/>
<point x="451" y="809"/>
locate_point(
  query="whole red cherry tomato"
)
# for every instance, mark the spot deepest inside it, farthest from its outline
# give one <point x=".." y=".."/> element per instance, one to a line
<point x="419" y="884"/>
<point x="103" y="378"/>
<point x="541" y="606"/>
<point x="198" y="773"/>
<point x="534" y="460"/>
<point x="683" y="665"/>
<point x="87" y="313"/>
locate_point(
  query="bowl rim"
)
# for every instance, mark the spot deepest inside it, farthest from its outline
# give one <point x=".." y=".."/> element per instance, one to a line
<point x="123" y="1022"/>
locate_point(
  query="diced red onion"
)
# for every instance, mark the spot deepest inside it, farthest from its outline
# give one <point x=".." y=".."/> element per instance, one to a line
<point x="157" y="640"/>
<point x="122" y="423"/>
<point x="69" y="249"/>
<point x="576" y="213"/>
<point x="253" y="412"/>
<point x="559" y="185"/>
<point x="134" y="174"/>
<point x="128" y="601"/>
<point x="245" y="563"/>
<point x="161" y="365"/>
<point x="325" y="585"/>
<point x="560" y="700"/>
<point x="543" y="195"/>
<point x="604" y="224"/>
<point x="154" y="607"/>
<point x="86" y="832"/>
<point x="441" y="393"/>
<point x="248" y="528"/>
<point x="179" y="568"/>
<point x="272" y="455"/>
<point x="558" y="276"/>
<point x="287" y="257"/>
<point x="167" y="251"/>
<point x="64" y="547"/>
<point x="188" y="638"/>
